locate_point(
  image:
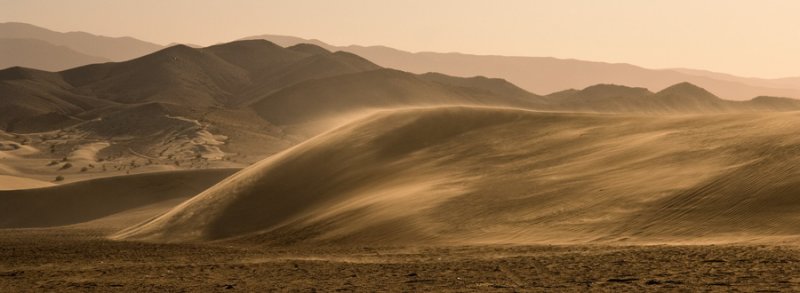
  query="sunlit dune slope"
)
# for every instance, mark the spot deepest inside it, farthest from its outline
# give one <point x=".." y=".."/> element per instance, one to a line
<point x="92" y="199"/>
<point x="460" y="175"/>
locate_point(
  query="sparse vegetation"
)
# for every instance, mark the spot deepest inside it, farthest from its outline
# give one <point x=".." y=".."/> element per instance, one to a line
<point x="59" y="178"/>
<point x="66" y="166"/>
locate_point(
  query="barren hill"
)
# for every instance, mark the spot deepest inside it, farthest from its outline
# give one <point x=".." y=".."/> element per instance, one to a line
<point x="226" y="105"/>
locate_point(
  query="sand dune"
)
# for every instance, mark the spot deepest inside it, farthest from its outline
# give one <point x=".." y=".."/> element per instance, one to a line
<point x="479" y="175"/>
<point x="93" y="199"/>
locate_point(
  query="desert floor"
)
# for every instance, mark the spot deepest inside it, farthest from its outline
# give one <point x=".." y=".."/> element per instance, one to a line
<point x="67" y="259"/>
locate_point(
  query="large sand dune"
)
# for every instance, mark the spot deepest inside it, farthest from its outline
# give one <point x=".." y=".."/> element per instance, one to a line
<point x="93" y="199"/>
<point x="459" y="175"/>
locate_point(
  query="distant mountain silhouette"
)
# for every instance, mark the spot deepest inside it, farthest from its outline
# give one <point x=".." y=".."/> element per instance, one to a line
<point x="39" y="54"/>
<point x="543" y="75"/>
<point x="111" y="48"/>
<point x="681" y="98"/>
<point x="302" y="84"/>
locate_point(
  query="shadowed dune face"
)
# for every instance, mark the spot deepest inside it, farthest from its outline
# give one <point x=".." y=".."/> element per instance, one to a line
<point x="477" y="175"/>
<point x="93" y="199"/>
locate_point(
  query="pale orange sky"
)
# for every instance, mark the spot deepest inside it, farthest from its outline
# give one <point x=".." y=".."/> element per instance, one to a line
<point x="750" y="38"/>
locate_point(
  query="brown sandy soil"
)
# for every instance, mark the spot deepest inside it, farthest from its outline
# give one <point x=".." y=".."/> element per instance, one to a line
<point x="74" y="260"/>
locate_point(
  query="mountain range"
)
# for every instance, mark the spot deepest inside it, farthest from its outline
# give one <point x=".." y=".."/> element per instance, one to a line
<point x="232" y="104"/>
<point x="544" y="75"/>
<point x="56" y="51"/>
<point x="59" y="51"/>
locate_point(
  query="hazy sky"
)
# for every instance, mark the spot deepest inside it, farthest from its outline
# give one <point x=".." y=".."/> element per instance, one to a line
<point x="752" y="38"/>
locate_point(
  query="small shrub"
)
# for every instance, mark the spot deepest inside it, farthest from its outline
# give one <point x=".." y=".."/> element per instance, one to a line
<point x="59" y="178"/>
<point x="84" y="169"/>
<point x="66" y="166"/>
